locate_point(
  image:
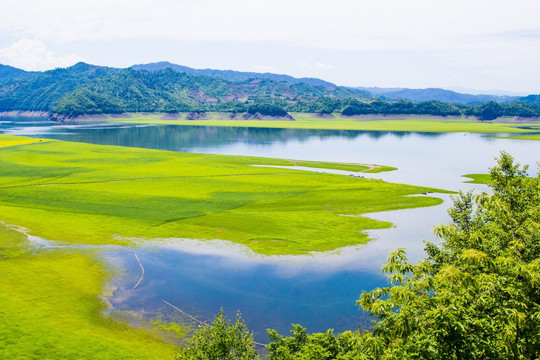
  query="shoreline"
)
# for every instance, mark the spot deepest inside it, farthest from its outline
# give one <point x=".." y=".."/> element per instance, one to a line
<point x="313" y="121"/>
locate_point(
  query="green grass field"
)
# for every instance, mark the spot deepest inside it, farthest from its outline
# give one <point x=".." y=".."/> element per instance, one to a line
<point x="93" y="194"/>
<point x="308" y="121"/>
<point x="11" y="140"/>
<point x="50" y="305"/>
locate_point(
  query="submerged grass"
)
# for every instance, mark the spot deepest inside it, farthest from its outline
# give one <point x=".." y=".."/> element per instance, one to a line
<point x="50" y="309"/>
<point x="308" y="121"/>
<point x="83" y="193"/>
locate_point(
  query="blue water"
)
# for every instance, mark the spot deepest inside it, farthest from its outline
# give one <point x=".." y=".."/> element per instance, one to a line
<point x="265" y="294"/>
<point x="318" y="292"/>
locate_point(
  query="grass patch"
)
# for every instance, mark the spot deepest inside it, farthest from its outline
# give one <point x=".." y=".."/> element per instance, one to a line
<point x="478" y="178"/>
<point x="11" y="140"/>
<point x="49" y="308"/>
<point x="307" y="121"/>
<point x="520" y="137"/>
<point x="82" y="193"/>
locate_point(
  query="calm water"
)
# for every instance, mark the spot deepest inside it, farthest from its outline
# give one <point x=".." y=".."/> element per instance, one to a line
<point x="317" y="292"/>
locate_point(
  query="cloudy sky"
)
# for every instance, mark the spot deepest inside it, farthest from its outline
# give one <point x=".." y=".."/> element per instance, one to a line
<point x="458" y="44"/>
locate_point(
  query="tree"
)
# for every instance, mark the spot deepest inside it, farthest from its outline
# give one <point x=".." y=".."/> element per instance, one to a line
<point x="489" y="110"/>
<point x="477" y="294"/>
<point x="220" y="341"/>
<point x="318" y="346"/>
<point x="266" y="109"/>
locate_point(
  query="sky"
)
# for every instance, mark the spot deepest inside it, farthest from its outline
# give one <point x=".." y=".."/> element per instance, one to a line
<point x="468" y="45"/>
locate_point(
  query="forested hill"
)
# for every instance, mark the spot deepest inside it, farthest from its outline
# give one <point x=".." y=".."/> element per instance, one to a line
<point x="90" y="89"/>
<point x="164" y="87"/>
<point x="234" y="76"/>
<point x="9" y="73"/>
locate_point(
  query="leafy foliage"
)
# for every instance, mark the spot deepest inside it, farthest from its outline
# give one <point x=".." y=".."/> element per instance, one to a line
<point x="266" y="109"/>
<point x="477" y="295"/>
<point x="401" y="107"/>
<point x="492" y="110"/>
<point x="320" y="346"/>
<point x="220" y="341"/>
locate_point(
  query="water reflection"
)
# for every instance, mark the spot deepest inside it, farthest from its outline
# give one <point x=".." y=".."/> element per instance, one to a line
<point x="318" y="291"/>
<point x="176" y="138"/>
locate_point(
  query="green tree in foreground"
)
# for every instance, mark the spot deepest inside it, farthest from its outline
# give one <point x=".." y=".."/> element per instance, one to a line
<point x="476" y="295"/>
<point x="320" y="346"/>
<point x="220" y="341"/>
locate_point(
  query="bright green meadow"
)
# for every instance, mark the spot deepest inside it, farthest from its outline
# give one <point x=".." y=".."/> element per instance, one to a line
<point x="81" y="193"/>
<point x="309" y="121"/>
<point x="50" y="306"/>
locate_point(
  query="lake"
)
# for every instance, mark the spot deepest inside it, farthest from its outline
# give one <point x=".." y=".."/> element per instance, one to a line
<point x="318" y="291"/>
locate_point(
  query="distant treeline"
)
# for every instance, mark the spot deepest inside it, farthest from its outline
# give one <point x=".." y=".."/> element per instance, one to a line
<point x="485" y="111"/>
<point x="88" y="89"/>
<point x="351" y="107"/>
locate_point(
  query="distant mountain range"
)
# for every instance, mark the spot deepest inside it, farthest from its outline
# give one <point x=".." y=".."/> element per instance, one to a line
<point x="436" y="94"/>
<point x="166" y="87"/>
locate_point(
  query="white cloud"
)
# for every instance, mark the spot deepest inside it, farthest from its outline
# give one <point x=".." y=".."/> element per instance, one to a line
<point x="449" y="37"/>
<point x="264" y="69"/>
<point x="34" y="55"/>
<point x="321" y="65"/>
<point x="341" y="24"/>
<point x="317" y="65"/>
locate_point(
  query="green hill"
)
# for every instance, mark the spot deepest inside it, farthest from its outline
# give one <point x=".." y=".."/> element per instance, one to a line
<point x="90" y="89"/>
<point x="165" y="87"/>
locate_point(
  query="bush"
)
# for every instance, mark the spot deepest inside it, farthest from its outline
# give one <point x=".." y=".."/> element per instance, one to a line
<point x="220" y="341"/>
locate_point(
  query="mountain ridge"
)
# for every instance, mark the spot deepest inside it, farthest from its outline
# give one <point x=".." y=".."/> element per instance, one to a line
<point x="438" y="94"/>
<point x="232" y="75"/>
<point x="10" y="73"/>
<point x="165" y="87"/>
